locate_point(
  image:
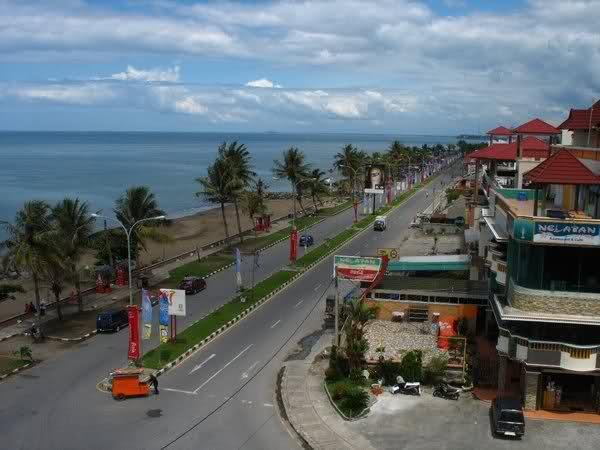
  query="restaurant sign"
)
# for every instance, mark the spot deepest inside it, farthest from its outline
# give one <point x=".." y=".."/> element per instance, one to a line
<point x="567" y="233"/>
<point x="357" y="268"/>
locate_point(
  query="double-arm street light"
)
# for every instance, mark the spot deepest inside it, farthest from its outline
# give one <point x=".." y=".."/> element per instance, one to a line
<point x="128" y="234"/>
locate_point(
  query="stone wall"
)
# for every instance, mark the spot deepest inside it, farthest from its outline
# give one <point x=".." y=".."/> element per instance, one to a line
<point x="554" y="303"/>
<point x="531" y="389"/>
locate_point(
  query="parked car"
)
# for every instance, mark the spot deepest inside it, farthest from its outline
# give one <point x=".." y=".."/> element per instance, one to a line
<point x="306" y="240"/>
<point x="192" y="285"/>
<point x="507" y="417"/>
<point x="112" y="320"/>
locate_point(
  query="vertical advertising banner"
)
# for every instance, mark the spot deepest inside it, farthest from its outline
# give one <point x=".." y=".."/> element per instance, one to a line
<point x="163" y="316"/>
<point x="238" y="268"/>
<point x="133" y="349"/>
<point x="146" y="315"/>
<point x="293" y="245"/>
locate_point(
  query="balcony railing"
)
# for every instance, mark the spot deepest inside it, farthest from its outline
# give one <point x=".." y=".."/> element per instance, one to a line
<point x="579" y="358"/>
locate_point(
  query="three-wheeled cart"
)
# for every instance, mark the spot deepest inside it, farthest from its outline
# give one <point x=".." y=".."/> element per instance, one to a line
<point x="129" y="382"/>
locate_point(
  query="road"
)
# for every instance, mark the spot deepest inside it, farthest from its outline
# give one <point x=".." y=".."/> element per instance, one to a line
<point x="224" y="394"/>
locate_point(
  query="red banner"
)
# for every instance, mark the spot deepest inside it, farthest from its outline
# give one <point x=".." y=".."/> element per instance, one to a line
<point x="133" y="350"/>
<point x="293" y="244"/>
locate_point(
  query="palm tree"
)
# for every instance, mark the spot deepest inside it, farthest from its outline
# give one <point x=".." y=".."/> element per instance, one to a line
<point x="27" y="245"/>
<point x="74" y="226"/>
<point x="135" y="204"/>
<point x="238" y="157"/>
<point x="55" y="269"/>
<point x="294" y="168"/>
<point x="317" y="186"/>
<point x="358" y="314"/>
<point x="397" y="154"/>
<point x="218" y="186"/>
<point x="253" y="202"/>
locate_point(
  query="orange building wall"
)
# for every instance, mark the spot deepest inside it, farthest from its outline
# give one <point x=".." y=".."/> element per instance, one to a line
<point x="386" y="308"/>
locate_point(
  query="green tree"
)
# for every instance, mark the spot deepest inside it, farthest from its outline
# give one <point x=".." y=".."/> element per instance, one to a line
<point x="27" y="244"/>
<point x="253" y="202"/>
<point x="6" y="291"/>
<point x="138" y="203"/>
<point x="294" y="168"/>
<point x="318" y="186"/>
<point x="358" y="314"/>
<point x="74" y="226"/>
<point x="55" y="269"/>
<point x="238" y="157"/>
<point x="218" y="186"/>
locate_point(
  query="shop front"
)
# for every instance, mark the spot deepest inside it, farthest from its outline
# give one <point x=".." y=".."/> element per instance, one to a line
<point x="569" y="392"/>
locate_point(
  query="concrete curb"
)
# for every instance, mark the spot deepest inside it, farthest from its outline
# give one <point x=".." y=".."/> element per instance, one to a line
<point x="10" y="336"/>
<point x="17" y="370"/>
<point x="77" y="339"/>
<point x="188" y="353"/>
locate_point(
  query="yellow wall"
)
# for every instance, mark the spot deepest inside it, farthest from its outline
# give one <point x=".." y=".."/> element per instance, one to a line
<point x="386" y="308"/>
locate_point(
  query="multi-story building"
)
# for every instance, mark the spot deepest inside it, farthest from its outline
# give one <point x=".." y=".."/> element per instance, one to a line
<point x="542" y="246"/>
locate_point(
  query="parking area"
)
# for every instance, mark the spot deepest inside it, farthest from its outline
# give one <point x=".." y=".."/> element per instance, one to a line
<point x="426" y="422"/>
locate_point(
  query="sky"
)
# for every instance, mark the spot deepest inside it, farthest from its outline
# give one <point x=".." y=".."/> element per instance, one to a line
<point x="378" y="66"/>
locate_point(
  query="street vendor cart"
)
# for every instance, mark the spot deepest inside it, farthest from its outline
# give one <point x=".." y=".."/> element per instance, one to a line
<point x="130" y="382"/>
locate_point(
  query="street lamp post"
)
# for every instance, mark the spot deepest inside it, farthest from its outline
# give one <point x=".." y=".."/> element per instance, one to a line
<point x="294" y="193"/>
<point x="128" y="235"/>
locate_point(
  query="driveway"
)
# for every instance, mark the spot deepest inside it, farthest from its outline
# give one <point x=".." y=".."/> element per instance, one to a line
<point x="426" y="422"/>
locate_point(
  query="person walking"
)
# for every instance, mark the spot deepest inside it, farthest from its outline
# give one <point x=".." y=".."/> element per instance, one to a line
<point x="154" y="383"/>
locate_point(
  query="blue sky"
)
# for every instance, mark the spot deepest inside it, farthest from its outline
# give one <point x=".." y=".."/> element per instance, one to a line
<point x="435" y="67"/>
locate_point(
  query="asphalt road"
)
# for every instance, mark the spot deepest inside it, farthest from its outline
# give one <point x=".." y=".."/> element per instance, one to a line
<point x="222" y="397"/>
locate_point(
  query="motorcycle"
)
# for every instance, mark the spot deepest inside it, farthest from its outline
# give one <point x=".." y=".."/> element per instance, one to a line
<point x="36" y="333"/>
<point x="402" y="387"/>
<point x="446" y="391"/>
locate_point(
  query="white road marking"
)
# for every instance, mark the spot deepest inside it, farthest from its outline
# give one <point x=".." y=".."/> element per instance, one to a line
<point x="179" y="390"/>
<point x="317" y="287"/>
<point x="222" y="368"/>
<point x="298" y="304"/>
<point x="275" y="324"/>
<point x="199" y="366"/>
<point x="268" y="404"/>
<point x="246" y="374"/>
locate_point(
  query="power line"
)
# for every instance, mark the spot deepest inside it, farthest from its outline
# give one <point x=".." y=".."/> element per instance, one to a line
<point x="238" y="390"/>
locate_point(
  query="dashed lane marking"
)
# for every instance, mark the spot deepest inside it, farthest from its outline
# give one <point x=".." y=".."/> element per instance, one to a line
<point x="199" y="366"/>
<point x="275" y="324"/>
<point x="222" y="368"/>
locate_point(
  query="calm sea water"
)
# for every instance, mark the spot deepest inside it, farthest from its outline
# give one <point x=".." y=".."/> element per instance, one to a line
<point x="98" y="167"/>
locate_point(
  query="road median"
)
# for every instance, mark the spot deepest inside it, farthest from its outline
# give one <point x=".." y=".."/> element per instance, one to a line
<point x="168" y="355"/>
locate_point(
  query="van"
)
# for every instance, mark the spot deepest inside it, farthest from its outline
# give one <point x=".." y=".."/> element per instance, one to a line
<point x="379" y="224"/>
<point x="111" y="320"/>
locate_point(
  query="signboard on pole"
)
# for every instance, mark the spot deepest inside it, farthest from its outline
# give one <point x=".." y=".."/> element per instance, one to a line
<point x="133" y="349"/>
<point x="175" y="301"/>
<point x="146" y="315"/>
<point x="391" y="253"/>
<point x="163" y="317"/>
<point x="375" y="179"/>
<point x="357" y="268"/>
<point x="293" y="245"/>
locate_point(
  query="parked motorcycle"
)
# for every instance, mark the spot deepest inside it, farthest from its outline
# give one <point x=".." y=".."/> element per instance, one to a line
<point x="402" y="387"/>
<point x="36" y="333"/>
<point x="446" y="391"/>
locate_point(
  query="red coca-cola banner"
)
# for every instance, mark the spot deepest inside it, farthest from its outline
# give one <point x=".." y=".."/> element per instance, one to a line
<point x="133" y="350"/>
<point x="293" y="245"/>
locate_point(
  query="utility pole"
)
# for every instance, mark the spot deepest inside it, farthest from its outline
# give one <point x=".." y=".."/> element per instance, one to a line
<point x="337" y="312"/>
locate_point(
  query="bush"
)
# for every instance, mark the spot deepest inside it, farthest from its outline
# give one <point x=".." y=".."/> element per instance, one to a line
<point x="355" y="400"/>
<point x="356" y="376"/>
<point x="332" y="374"/>
<point x="339" y="389"/>
<point x="410" y="367"/>
<point x="435" y="369"/>
<point x="342" y="365"/>
<point x="389" y="370"/>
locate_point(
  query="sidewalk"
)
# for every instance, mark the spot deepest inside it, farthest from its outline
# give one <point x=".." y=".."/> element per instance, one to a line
<point x="308" y="408"/>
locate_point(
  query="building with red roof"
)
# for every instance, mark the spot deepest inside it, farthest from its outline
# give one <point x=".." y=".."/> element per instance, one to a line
<point x="536" y="127"/>
<point x="585" y="126"/>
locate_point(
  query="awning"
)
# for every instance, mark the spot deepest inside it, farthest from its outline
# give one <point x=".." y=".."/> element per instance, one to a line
<point x="497" y="232"/>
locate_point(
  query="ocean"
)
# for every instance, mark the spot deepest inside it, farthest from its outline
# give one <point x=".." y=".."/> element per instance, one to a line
<point x="98" y="166"/>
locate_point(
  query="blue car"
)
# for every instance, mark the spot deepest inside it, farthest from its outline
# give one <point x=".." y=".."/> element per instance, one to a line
<point x="306" y="240"/>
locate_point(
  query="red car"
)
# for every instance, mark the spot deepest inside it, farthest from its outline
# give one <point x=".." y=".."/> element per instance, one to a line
<point x="192" y="285"/>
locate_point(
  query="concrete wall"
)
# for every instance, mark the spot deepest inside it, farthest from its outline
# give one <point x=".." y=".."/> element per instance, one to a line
<point x="580" y="138"/>
<point x="531" y="390"/>
<point x="524" y="166"/>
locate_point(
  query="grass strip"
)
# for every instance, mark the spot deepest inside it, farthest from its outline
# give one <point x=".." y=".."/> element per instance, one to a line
<point x="200" y="268"/>
<point x="203" y="328"/>
<point x="332" y="211"/>
<point x="7" y="364"/>
<point x="251" y="245"/>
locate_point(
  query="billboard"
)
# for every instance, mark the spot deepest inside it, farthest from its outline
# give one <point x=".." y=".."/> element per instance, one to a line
<point x="357" y="268"/>
<point x="175" y="302"/>
<point x="391" y="253"/>
<point x="375" y="179"/>
<point x="566" y="233"/>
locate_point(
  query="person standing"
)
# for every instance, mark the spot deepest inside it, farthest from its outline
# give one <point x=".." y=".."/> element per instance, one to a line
<point x="43" y="307"/>
<point x="154" y="383"/>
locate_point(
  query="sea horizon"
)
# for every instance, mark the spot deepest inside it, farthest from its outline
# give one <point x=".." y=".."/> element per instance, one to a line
<point x="99" y="166"/>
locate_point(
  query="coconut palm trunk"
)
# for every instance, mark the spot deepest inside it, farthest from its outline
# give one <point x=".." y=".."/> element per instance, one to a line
<point x="237" y="217"/>
<point x="56" y="293"/>
<point x="225" y="222"/>
<point x="36" y="289"/>
<point x="77" y="283"/>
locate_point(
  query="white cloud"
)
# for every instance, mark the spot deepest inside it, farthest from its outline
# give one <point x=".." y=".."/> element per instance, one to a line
<point x="262" y="83"/>
<point x="170" y="74"/>
<point x="86" y="94"/>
